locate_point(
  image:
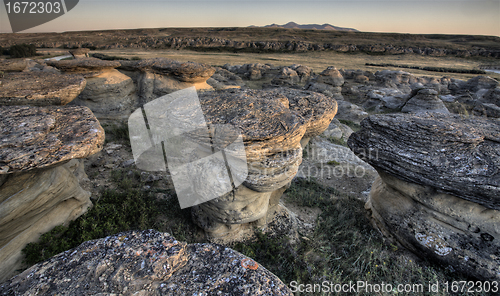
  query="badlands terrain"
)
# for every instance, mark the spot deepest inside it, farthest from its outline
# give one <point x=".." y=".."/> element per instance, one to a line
<point x="371" y="157"/>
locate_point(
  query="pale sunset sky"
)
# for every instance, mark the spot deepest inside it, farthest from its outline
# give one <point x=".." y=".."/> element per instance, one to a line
<point x="479" y="17"/>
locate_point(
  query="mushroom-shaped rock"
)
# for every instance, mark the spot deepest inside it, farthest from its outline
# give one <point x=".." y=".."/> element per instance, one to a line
<point x="439" y="192"/>
<point x="39" y="173"/>
<point x="88" y="67"/>
<point x="13" y="65"/>
<point x="39" y="88"/>
<point x="426" y="100"/>
<point x="124" y="262"/>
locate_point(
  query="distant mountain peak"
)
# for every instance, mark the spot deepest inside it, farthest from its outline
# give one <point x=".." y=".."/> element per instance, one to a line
<point x="294" y="25"/>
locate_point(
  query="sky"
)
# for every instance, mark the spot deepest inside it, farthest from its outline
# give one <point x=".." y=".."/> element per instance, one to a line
<point x="478" y="17"/>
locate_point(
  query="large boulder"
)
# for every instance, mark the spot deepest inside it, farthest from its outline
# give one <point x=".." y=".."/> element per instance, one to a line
<point x="39" y="88"/>
<point x="40" y="173"/>
<point x="439" y="188"/>
<point x="146" y="263"/>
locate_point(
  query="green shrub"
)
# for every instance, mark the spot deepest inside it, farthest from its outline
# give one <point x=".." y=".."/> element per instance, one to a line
<point x="22" y="51"/>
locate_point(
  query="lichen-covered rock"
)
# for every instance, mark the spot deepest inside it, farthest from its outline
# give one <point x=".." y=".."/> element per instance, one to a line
<point x="39" y="88"/>
<point x="185" y="72"/>
<point x="13" y="65"/>
<point x="439" y="192"/>
<point x="88" y="67"/>
<point x="39" y="137"/>
<point x="146" y="263"/>
<point x="426" y="100"/>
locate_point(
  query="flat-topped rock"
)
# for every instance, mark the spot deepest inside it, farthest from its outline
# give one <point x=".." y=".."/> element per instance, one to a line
<point x="39" y="88"/>
<point x="39" y="137"/>
<point x="146" y="263"/>
<point x="459" y="156"/>
<point x="88" y="67"/>
<point x="13" y="65"/>
<point x="183" y="71"/>
<point x="317" y="109"/>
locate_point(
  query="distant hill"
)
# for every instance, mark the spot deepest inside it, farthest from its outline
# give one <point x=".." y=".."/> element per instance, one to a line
<point x="292" y="25"/>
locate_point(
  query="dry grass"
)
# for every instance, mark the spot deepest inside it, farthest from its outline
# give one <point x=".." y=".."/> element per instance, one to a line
<point x="316" y="60"/>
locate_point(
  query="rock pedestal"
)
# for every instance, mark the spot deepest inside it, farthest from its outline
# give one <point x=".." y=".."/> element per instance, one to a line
<point x="146" y="263"/>
<point x="272" y="132"/>
<point x="40" y="173"/>
<point x="439" y="187"/>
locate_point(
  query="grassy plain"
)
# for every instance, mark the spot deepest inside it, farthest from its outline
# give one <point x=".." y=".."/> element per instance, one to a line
<point x="318" y="61"/>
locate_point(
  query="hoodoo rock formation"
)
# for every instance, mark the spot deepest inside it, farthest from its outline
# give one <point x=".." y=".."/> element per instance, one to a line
<point x="40" y="173"/>
<point x="272" y="132"/>
<point x="439" y="188"/>
<point x="146" y="263"/>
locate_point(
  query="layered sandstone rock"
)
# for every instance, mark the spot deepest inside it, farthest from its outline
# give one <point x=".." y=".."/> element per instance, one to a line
<point x="146" y="263"/>
<point x="272" y="132"/>
<point x="39" y="88"/>
<point x="439" y="188"/>
<point x="40" y="173"/>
